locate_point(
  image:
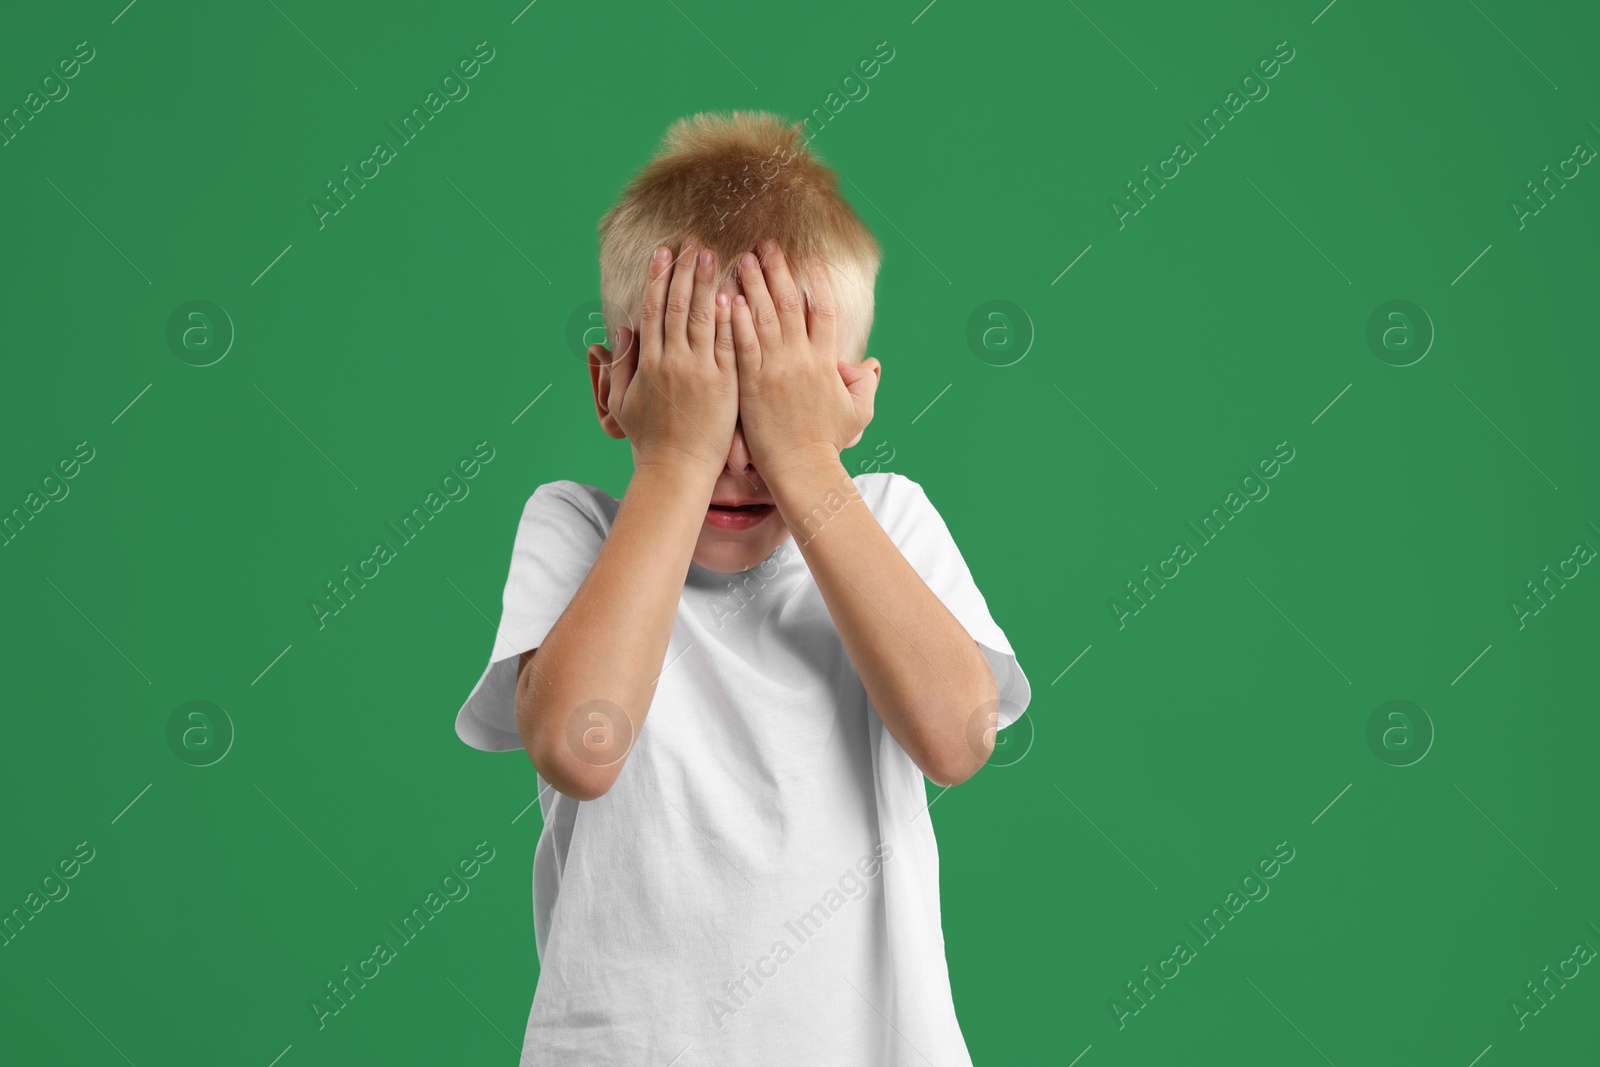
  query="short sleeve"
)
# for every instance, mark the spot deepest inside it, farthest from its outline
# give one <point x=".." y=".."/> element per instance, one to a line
<point x="919" y="531"/>
<point x="558" y="537"/>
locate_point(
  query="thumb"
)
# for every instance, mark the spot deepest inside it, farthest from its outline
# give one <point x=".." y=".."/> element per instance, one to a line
<point x="860" y="379"/>
<point x="624" y="364"/>
<point x="862" y="384"/>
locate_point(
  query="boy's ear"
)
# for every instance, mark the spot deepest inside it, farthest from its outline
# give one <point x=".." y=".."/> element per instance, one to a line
<point x="601" y="366"/>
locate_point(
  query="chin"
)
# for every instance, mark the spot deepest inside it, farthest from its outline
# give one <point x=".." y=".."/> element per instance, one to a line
<point x="729" y="555"/>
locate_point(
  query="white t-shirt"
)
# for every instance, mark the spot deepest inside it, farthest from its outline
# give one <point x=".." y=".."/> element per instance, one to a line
<point x="761" y="884"/>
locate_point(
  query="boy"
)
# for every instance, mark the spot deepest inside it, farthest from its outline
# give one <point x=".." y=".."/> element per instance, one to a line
<point x="732" y="681"/>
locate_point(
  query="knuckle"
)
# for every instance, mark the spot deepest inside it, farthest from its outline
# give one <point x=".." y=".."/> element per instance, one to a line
<point x="789" y="301"/>
<point x="700" y="315"/>
<point x="677" y="303"/>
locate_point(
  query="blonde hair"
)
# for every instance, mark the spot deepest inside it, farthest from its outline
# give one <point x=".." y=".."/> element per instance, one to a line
<point x="732" y="179"/>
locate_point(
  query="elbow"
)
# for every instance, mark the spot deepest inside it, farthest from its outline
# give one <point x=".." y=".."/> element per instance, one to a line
<point x="567" y="775"/>
<point x="953" y="767"/>
<point x="956" y="757"/>
<point x="578" y="755"/>
<point x="963" y="748"/>
<point x="577" y="783"/>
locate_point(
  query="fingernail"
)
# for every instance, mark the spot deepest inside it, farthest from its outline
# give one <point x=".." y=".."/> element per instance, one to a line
<point x="663" y="254"/>
<point x="749" y="261"/>
<point x="705" y="257"/>
<point x="722" y="300"/>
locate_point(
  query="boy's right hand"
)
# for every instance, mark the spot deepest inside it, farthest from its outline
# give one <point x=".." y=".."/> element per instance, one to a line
<point x="675" y="390"/>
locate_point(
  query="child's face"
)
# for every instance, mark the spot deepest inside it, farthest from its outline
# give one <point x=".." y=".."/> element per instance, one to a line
<point x="729" y="541"/>
<point x="733" y="541"/>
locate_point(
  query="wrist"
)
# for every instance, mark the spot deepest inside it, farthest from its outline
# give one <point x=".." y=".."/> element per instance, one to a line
<point x="679" y="458"/>
<point x="804" y="466"/>
<point x="681" y="474"/>
<point x="809" y="490"/>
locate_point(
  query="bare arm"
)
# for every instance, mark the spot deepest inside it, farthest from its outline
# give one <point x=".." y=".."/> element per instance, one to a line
<point x="925" y="675"/>
<point x="583" y="694"/>
<point x="802" y="406"/>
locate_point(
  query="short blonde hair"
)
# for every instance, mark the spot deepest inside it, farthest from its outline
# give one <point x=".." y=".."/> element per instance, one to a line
<point x="732" y="179"/>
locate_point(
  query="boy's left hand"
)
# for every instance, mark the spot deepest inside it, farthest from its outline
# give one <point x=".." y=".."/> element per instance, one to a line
<point x="798" y="402"/>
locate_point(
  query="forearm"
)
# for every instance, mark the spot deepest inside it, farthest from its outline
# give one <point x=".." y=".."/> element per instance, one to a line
<point x="924" y="673"/>
<point x="609" y="644"/>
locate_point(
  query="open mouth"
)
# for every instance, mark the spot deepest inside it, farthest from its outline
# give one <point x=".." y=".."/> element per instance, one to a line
<point x="738" y="516"/>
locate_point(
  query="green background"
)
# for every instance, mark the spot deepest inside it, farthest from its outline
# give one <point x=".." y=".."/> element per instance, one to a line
<point x="1228" y="315"/>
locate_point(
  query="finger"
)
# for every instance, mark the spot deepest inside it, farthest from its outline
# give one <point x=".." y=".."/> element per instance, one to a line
<point x="624" y="364"/>
<point x="863" y="391"/>
<point x="725" y="354"/>
<point x="702" y="312"/>
<point x="762" y="312"/>
<point x="785" y="294"/>
<point x="861" y="378"/>
<point x="654" y="306"/>
<point x="746" y="342"/>
<point x="822" y="316"/>
<point x="680" y="294"/>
